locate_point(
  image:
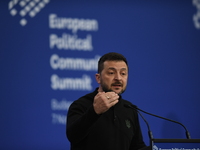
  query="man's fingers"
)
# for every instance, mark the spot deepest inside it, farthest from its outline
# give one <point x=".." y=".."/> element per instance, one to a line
<point x="103" y="101"/>
<point x="111" y="95"/>
<point x="112" y="103"/>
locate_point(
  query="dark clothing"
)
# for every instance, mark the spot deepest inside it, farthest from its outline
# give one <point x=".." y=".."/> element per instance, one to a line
<point x="116" y="129"/>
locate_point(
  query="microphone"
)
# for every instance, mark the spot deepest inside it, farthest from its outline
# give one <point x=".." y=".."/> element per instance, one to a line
<point x="148" y="127"/>
<point x="187" y="132"/>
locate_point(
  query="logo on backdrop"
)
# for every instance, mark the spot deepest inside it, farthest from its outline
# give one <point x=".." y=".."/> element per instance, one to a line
<point x="26" y="9"/>
<point x="70" y="38"/>
<point x="196" y="17"/>
<point x="70" y="41"/>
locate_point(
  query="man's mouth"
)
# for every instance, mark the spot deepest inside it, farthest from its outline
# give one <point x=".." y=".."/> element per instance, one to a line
<point x="117" y="85"/>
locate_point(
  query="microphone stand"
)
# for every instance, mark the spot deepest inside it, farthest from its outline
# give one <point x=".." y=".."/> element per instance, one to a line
<point x="187" y="132"/>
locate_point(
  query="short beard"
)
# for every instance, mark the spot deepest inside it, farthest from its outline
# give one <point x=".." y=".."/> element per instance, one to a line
<point x="106" y="89"/>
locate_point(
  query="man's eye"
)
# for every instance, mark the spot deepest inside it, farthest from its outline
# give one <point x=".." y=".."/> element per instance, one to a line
<point x="110" y="72"/>
<point x="123" y="74"/>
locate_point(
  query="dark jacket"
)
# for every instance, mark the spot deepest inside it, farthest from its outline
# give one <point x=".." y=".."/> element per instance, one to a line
<point x="116" y="129"/>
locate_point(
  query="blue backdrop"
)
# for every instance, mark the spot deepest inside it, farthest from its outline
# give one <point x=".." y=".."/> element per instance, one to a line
<point x="48" y="58"/>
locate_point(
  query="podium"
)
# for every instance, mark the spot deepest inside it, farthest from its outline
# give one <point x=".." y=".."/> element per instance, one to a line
<point x="173" y="144"/>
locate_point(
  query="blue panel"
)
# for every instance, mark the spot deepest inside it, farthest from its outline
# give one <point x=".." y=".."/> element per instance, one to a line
<point x="48" y="58"/>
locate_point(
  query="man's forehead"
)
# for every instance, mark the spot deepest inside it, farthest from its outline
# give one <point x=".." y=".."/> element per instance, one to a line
<point x="115" y="65"/>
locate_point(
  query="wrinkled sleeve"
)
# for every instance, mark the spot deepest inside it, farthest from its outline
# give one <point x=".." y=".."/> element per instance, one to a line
<point x="80" y="118"/>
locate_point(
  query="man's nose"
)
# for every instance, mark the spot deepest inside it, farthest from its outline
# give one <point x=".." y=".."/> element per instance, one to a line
<point x="117" y="76"/>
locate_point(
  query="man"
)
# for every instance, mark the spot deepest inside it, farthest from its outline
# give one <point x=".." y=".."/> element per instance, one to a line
<point x="100" y="120"/>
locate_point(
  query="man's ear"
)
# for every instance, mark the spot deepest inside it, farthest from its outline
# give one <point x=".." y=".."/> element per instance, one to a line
<point x="97" y="76"/>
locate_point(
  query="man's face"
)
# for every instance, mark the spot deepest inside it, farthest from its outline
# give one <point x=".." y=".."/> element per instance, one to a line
<point x="113" y="77"/>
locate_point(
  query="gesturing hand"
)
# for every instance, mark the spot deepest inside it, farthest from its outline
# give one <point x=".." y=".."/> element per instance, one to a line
<point x="104" y="100"/>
